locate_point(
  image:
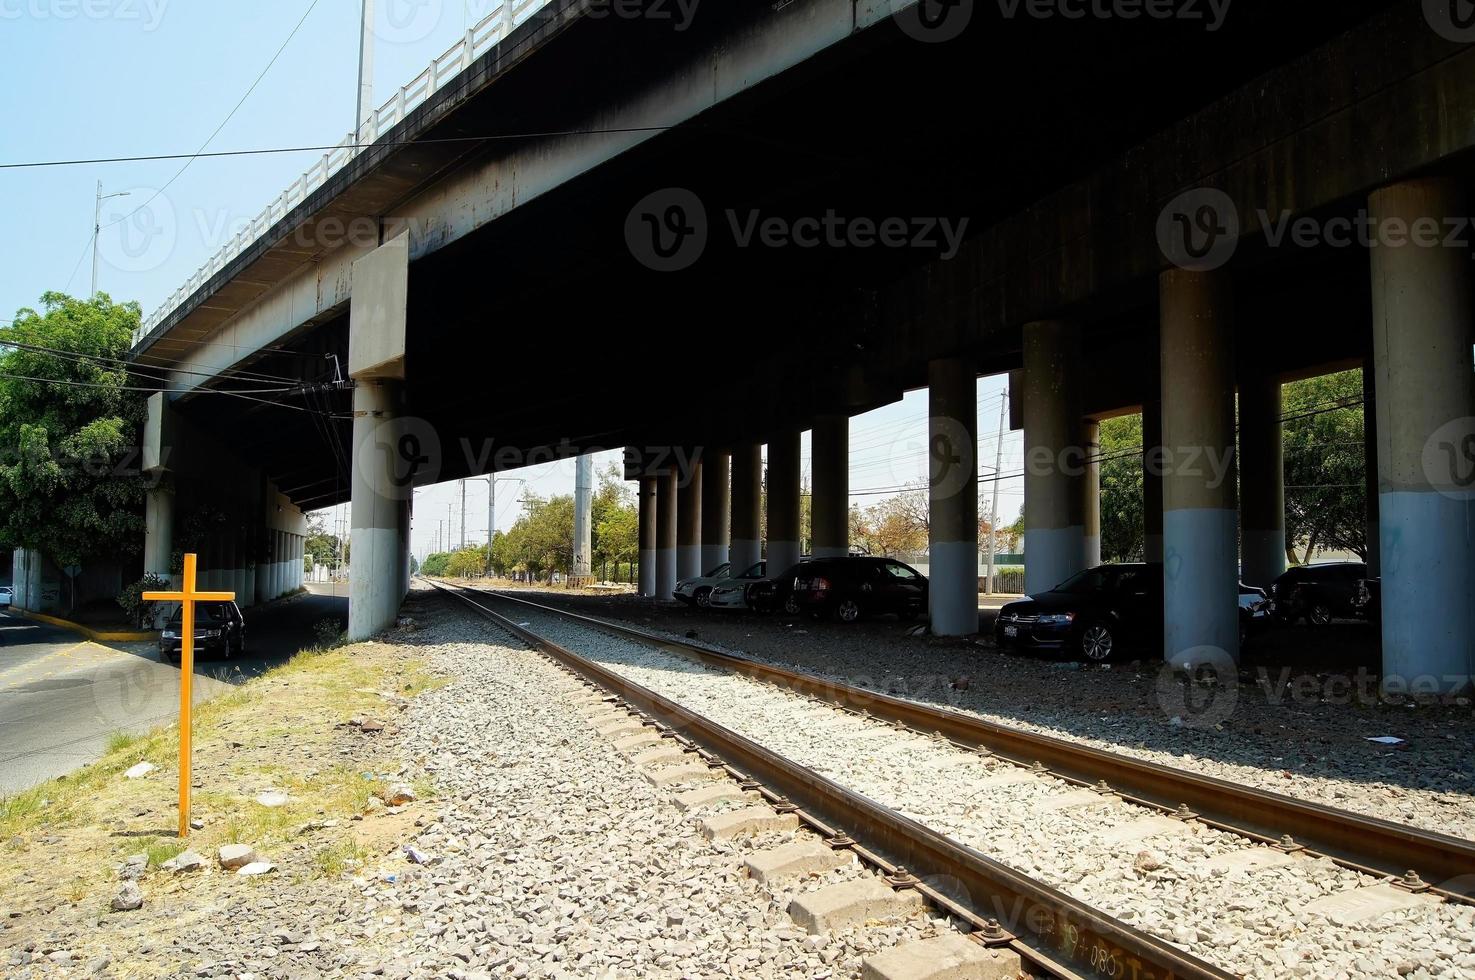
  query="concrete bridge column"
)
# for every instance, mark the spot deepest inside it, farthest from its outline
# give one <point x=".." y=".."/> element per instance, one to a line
<point x="1054" y="460"/>
<point x="715" y="513"/>
<point x="648" y="521"/>
<point x="1262" y="482"/>
<point x="158" y="539"/>
<point x="829" y="505"/>
<point x="1370" y="464"/>
<point x="1423" y="328"/>
<point x="1152" y="481"/>
<point x="783" y="503"/>
<point x="952" y="502"/>
<point x="666" y="531"/>
<point x="1091" y="494"/>
<point x="689" y="522"/>
<point x="1200" y="519"/>
<point x="383" y="476"/>
<point x="747" y="506"/>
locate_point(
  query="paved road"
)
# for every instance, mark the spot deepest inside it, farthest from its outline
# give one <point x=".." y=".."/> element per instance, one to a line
<point x="61" y="695"/>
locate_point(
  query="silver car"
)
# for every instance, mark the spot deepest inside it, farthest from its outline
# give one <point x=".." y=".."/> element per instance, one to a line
<point x="696" y="591"/>
<point x="732" y="593"/>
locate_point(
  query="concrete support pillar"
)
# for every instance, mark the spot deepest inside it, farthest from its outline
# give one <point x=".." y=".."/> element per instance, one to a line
<point x="1262" y="482"/>
<point x="715" y="516"/>
<point x="583" y="570"/>
<point x="1200" y="516"/>
<point x="1054" y="461"/>
<point x="278" y="561"/>
<point x="1152" y="482"/>
<point x="226" y="576"/>
<point x="666" y="529"/>
<point x="829" y="502"/>
<point x="689" y="522"/>
<point x="952" y="502"/>
<point x="379" y="511"/>
<point x="1091" y="494"/>
<point x="1423" y="328"/>
<point x="158" y="537"/>
<point x="1370" y="465"/>
<point x="648" y="520"/>
<point x="747" y="506"/>
<point x="783" y="503"/>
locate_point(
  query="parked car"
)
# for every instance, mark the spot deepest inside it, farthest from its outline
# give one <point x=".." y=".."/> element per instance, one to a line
<point x="5" y="595"/>
<point x="1368" y="603"/>
<point x="777" y="593"/>
<point x="1104" y="611"/>
<point x="219" y="629"/>
<point x="1317" y="593"/>
<point x="732" y="592"/>
<point x="697" y="591"/>
<point x="854" y="587"/>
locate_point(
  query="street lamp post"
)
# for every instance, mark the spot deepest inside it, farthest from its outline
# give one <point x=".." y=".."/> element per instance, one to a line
<point x="97" y="229"/>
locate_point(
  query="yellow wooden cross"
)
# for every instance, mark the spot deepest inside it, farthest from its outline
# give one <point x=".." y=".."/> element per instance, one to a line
<point x="186" y="597"/>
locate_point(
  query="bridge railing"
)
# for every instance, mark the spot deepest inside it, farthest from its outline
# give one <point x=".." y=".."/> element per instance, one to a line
<point x="486" y="34"/>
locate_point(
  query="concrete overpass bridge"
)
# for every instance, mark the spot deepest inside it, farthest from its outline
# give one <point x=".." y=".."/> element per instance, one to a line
<point x="622" y="229"/>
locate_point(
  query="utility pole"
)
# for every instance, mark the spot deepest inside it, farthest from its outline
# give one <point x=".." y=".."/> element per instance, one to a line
<point x="491" y="516"/>
<point x="463" y="514"/>
<point x="365" y="101"/>
<point x="97" y="229"/>
<point x="583" y="572"/>
<point x="993" y="511"/>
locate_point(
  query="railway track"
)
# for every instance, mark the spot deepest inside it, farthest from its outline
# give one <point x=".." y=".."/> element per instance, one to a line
<point x="1052" y="933"/>
<point x="1345" y="891"/>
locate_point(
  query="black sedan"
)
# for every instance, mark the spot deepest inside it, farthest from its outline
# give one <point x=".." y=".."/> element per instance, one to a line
<point x="1103" y="611"/>
<point x="1317" y="593"/>
<point x="219" y="629"/>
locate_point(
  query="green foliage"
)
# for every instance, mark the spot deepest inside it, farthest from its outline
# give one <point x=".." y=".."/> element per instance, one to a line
<point x="131" y="598"/>
<point x="70" y="480"/>
<point x="1325" y="468"/>
<point x="328" y="632"/>
<point x="1122" y="522"/>
<point x="467" y="563"/>
<point x="319" y="546"/>
<point x="435" y="564"/>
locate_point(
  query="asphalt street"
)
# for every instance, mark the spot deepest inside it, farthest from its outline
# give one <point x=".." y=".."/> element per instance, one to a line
<point x="62" y="695"/>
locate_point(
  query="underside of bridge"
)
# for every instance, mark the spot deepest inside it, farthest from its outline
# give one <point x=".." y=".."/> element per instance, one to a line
<point x="1027" y="168"/>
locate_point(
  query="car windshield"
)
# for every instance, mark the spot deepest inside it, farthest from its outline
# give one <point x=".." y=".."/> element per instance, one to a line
<point x="205" y="612"/>
<point x="897" y="570"/>
<point x="1089" y="582"/>
<point x="756" y="571"/>
<point x="719" y="572"/>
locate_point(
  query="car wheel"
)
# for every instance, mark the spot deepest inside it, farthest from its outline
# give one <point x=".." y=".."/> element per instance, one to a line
<point x="847" y="610"/>
<point x="1320" y="614"/>
<point x="704" y="598"/>
<point x="791" y="604"/>
<point x="1098" y="643"/>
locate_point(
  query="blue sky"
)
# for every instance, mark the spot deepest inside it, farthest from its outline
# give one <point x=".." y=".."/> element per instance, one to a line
<point x="109" y="78"/>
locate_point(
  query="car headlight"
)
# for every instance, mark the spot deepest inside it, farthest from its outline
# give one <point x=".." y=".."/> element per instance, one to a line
<point x="213" y="634"/>
<point x="170" y="635"/>
<point x="1058" y="619"/>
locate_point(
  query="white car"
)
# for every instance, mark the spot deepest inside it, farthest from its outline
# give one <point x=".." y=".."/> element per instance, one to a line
<point x="696" y="591"/>
<point x="732" y="593"/>
<point x="5" y="595"/>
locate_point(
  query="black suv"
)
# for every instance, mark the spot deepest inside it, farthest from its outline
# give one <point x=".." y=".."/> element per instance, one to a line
<point x="1102" y="611"/>
<point x="851" y="588"/>
<point x="1317" y="593"/>
<point x="219" y="628"/>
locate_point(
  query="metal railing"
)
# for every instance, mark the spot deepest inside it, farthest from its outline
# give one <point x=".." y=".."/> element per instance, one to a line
<point x="486" y="34"/>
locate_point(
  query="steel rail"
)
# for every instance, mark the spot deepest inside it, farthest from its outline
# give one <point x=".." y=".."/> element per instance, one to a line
<point x="1051" y="931"/>
<point x="1367" y="844"/>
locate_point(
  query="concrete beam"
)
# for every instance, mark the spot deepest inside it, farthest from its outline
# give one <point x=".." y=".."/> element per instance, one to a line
<point x="783" y="503"/>
<point x="829" y="505"/>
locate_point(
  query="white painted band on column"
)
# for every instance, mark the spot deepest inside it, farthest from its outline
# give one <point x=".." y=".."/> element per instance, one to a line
<point x="782" y="555"/>
<point x="647" y="572"/>
<point x="1200" y="585"/>
<point x="1263" y="557"/>
<point x="665" y="572"/>
<point x="953" y="588"/>
<point x="1091" y="543"/>
<point x="689" y="561"/>
<point x="1425" y="540"/>
<point x="713" y="555"/>
<point x="1051" y="556"/>
<point x="823" y="551"/>
<point x="745" y="554"/>
<point x="376" y="548"/>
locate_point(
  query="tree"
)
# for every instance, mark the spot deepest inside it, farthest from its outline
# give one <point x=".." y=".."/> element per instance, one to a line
<point x="71" y="483"/>
<point x="320" y="547"/>
<point x="615" y="521"/>
<point x="435" y="563"/>
<point x="1122" y="514"/>
<point x="896" y="526"/>
<point x="1325" y="468"/>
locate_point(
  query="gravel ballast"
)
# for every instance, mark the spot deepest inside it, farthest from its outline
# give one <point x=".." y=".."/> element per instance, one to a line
<point x="1251" y="922"/>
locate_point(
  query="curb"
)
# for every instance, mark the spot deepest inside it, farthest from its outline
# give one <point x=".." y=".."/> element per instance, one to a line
<point x="114" y="636"/>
